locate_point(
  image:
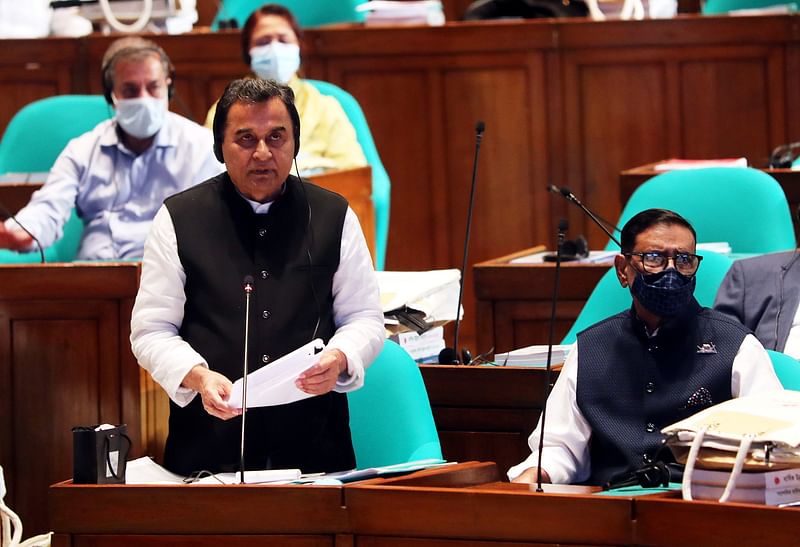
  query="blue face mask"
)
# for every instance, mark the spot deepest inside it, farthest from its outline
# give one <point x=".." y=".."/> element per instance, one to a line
<point x="275" y="61"/>
<point x="666" y="293"/>
<point x="141" y="117"/>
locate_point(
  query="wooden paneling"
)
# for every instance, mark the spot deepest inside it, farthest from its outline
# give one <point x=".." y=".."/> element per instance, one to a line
<point x="64" y="361"/>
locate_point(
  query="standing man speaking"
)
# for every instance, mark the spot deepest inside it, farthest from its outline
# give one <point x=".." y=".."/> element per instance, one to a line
<point x="313" y="276"/>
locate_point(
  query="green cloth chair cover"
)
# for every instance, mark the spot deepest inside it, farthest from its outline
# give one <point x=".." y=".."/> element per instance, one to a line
<point x="742" y="206"/>
<point x="309" y="13"/>
<point x="381" y="186"/>
<point x="787" y="368"/>
<point x="716" y="7"/>
<point x="38" y="133"/>
<point x="609" y="298"/>
<point x="390" y="416"/>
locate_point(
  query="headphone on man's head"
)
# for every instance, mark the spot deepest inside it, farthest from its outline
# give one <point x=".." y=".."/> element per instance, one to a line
<point x="219" y="132"/>
<point x="138" y="46"/>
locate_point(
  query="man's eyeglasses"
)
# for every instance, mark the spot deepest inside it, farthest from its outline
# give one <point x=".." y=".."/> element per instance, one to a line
<point x="654" y="261"/>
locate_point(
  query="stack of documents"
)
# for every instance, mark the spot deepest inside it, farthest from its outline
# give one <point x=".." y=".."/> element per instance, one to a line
<point x="533" y="356"/>
<point x="768" y="487"/>
<point x="409" y="12"/>
<point x="275" y="384"/>
<point x="145" y="471"/>
<point x="425" y="347"/>
<point x="433" y="293"/>
<point x="676" y="164"/>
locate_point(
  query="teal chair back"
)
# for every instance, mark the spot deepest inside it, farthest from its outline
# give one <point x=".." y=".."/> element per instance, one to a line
<point x="309" y="13"/>
<point x="63" y="250"/>
<point x="390" y="416"/>
<point x="38" y="133"/>
<point x="742" y="206"/>
<point x="609" y="298"/>
<point x="787" y="369"/>
<point x="715" y="7"/>
<point x="381" y="186"/>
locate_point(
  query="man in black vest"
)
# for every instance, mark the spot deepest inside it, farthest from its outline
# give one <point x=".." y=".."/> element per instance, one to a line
<point x="313" y="279"/>
<point x="661" y="361"/>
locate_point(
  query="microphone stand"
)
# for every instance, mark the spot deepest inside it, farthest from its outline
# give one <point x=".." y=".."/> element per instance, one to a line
<point x="562" y="229"/>
<point x="569" y="196"/>
<point x="248" y="291"/>
<point x="450" y="355"/>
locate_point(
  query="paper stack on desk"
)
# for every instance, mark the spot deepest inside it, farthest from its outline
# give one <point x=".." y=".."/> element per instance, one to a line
<point x="433" y="294"/>
<point x="533" y="356"/>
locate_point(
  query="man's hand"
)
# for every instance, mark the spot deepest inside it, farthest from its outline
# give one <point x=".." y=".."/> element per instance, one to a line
<point x="321" y="378"/>
<point x="529" y="476"/>
<point x="214" y="389"/>
<point x="16" y="240"/>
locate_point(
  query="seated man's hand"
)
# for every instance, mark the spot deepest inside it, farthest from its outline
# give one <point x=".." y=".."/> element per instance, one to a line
<point x="529" y="476"/>
<point x="321" y="378"/>
<point x="214" y="389"/>
<point x="16" y="240"/>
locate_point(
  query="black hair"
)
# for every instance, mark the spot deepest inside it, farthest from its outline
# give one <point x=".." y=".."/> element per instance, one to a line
<point x="252" y="91"/>
<point x="646" y="219"/>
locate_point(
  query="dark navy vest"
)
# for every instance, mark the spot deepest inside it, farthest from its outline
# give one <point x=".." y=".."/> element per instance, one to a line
<point x="630" y="386"/>
<point x="292" y="259"/>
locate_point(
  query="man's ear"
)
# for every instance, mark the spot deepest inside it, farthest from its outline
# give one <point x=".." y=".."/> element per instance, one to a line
<point x="620" y="263"/>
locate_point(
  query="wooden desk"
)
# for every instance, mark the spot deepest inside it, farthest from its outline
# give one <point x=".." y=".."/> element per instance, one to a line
<point x="235" y="515"/>
<point x="631" y="179"/>
<point x="514" y="301"/>
<point x="665" y="522"/>
<point x="65" y="360"/>
<point x="485" y="413"/>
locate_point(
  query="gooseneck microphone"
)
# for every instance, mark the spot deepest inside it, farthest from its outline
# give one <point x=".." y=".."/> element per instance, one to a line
<point x="601" y="222"/>
<point x="562" y="232"/>
<point x="450" y="356"/>
<point x="248" y="292"/>
<point x="5" y="213"/>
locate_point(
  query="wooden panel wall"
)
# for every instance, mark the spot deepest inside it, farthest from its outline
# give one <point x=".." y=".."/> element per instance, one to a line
<point x="567" y="102"/>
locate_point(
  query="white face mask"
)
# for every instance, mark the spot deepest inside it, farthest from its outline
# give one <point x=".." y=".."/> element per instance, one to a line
<point x="275" y="61"/>
<point x="141" y="117"/>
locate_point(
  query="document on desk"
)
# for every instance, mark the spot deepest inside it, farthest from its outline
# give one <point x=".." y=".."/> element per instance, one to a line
<point x="274" y="384"/>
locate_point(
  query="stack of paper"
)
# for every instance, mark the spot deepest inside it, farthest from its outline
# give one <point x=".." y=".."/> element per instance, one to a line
<point x="409" y="12"/>
<point x="673" y="164"/>
<point x="769" y="487"/>
<point x="425" y="347"/>
<point x="533" y="356"/>
<point x="434" y="293"/>
<point x="145" y="471"/>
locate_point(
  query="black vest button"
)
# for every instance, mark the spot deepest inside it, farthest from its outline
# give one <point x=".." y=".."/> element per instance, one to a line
<point x="646" y="458"/>
<point x="262" y="232"/>
<point x="265" y="314"/>
<point x="650" y="427"/>
<point x="650" y="387"/>
<point x="264" y="274"/>
<point x="265" y="358"/>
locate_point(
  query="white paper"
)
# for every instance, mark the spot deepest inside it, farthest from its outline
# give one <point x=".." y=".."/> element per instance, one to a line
<point x="146" y="471"/>
<point x="274" y="384"/>
<point x="253" y="477"/>
<point x="434" y="292"/>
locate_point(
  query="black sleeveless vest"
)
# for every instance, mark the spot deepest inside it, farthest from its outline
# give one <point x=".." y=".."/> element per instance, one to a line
<point x="630" y="386"/>
<point x="293" y="259"/>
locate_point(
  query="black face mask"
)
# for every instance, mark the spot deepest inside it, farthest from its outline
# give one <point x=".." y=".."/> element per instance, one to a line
<point x="666" y="293"/>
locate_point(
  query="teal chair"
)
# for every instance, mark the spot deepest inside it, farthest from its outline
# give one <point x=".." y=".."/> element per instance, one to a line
<point x="609" y="298"/>
<point x="381" y="187"/>
<point x="717" y="7"/>
<point x="787" y="368"/>
<point x="38" y="133"/>
<point x="743" y="206"/>
<point x="309" y="13"/>
<point x="390" y="416"/>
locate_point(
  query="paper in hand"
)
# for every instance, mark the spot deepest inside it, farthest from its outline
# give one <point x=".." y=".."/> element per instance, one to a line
<point x="274" y="384"/>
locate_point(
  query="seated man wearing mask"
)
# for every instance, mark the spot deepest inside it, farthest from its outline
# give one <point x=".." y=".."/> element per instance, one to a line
<point x="118" y="174"/>
<point x="271" y="48"/>
<point x="641" y="370"/>
<point x="763" y="293"/>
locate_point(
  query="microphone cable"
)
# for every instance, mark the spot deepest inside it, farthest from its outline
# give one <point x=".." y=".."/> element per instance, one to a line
<point x="5" y="212"/>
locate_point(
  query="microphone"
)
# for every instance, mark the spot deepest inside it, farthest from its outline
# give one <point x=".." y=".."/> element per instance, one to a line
<point x="562" y="230"/>
<point x="601" y="222"/>
<point x="248" y="291"/>
<point x="647" y="476"/>
<point x="449" y="356"/>
<point x="7" y="214"/>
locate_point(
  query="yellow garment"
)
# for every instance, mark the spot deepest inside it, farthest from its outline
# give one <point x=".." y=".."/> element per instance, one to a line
<point x="327" y="138"/>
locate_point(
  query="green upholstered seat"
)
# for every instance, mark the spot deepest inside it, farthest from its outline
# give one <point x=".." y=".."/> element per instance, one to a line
<point x="390" y="416"/>
<point x="309" y="13"/>
<point x="787" y="368"/>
